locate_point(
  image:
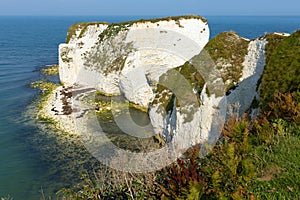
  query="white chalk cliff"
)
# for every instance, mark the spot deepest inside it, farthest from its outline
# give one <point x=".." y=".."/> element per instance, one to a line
<point x="147" y="62"/>
<point x="124" y="58"/>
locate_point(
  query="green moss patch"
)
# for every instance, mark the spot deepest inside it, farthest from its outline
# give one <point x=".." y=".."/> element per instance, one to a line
<point x="52" y="70"/>
<point x="45" y="87"/>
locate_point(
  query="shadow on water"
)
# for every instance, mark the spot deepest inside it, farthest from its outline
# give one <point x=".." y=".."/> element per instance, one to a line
<point x="116" y="132"/>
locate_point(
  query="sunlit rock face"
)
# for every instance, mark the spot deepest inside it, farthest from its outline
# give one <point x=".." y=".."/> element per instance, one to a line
<point x="169" y="67"/>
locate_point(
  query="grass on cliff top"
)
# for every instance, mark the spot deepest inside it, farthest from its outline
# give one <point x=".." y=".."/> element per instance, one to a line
<point x="114" y="28"/>
<point x="273" y="41"/>
<point x="228" y="51"/>
<point x="282" y="71"/>
<point x="83" y="25"/>
<point x="170" y="18"/>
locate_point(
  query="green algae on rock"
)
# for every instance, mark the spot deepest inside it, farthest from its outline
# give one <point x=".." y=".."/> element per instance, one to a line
<point x="51" y="70"/>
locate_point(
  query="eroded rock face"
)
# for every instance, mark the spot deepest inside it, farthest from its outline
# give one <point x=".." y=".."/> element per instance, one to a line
<point x="126" y="58"/>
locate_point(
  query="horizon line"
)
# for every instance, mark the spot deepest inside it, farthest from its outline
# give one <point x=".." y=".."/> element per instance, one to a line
<point x="210" y="15"/>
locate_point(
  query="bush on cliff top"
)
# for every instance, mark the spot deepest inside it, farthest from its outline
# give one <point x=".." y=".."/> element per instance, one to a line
<point x="282" y="71"/>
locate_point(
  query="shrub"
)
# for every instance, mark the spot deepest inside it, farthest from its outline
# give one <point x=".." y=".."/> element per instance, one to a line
<point x="182" y="179"/>
<point x="282" y="72"/>
<point x="285" y="106"/>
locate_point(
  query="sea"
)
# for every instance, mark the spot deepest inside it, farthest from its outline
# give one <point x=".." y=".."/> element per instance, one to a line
<point x="28" y="44"/>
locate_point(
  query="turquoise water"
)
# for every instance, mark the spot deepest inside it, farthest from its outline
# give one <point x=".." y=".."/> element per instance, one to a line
<point x="27" y="44"/>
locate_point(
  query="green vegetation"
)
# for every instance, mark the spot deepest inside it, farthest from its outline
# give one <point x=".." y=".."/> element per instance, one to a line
<point x="278" y="168"/>
<point x="100" y="93"/>
<point x="45" y="87"/>
<point x="83" y="30"/>
<point x="52" y="70"/>
<point x="114" y="28"/>
<point x="273" y="41"/>
<point x="164" y="99"/>
<point x="116" y="185"/>
<point x="175" y="18"/>
<point x="108" y="109"/>
<point x="282" y="71"/>
<point x="192" y="75"/>
<point x="104" y="59"/>
<point x="254" y="159"/>
<point x="80" y="26"/>
<point x="228" y="51"/>
<point x="118" y="63"/>
<point x="254" y="103"/>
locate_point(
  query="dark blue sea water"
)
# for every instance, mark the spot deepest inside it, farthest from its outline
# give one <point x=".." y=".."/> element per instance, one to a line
<point x="27" y="44"/>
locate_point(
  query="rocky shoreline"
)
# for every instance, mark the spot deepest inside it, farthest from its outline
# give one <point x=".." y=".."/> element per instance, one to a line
<point x="59" y="107"/>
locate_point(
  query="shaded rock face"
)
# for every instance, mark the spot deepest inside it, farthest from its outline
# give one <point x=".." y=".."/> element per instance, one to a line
<point x="169" y="67"/>
<point x="253" y="67"/>
<point x="191" y="123"/>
